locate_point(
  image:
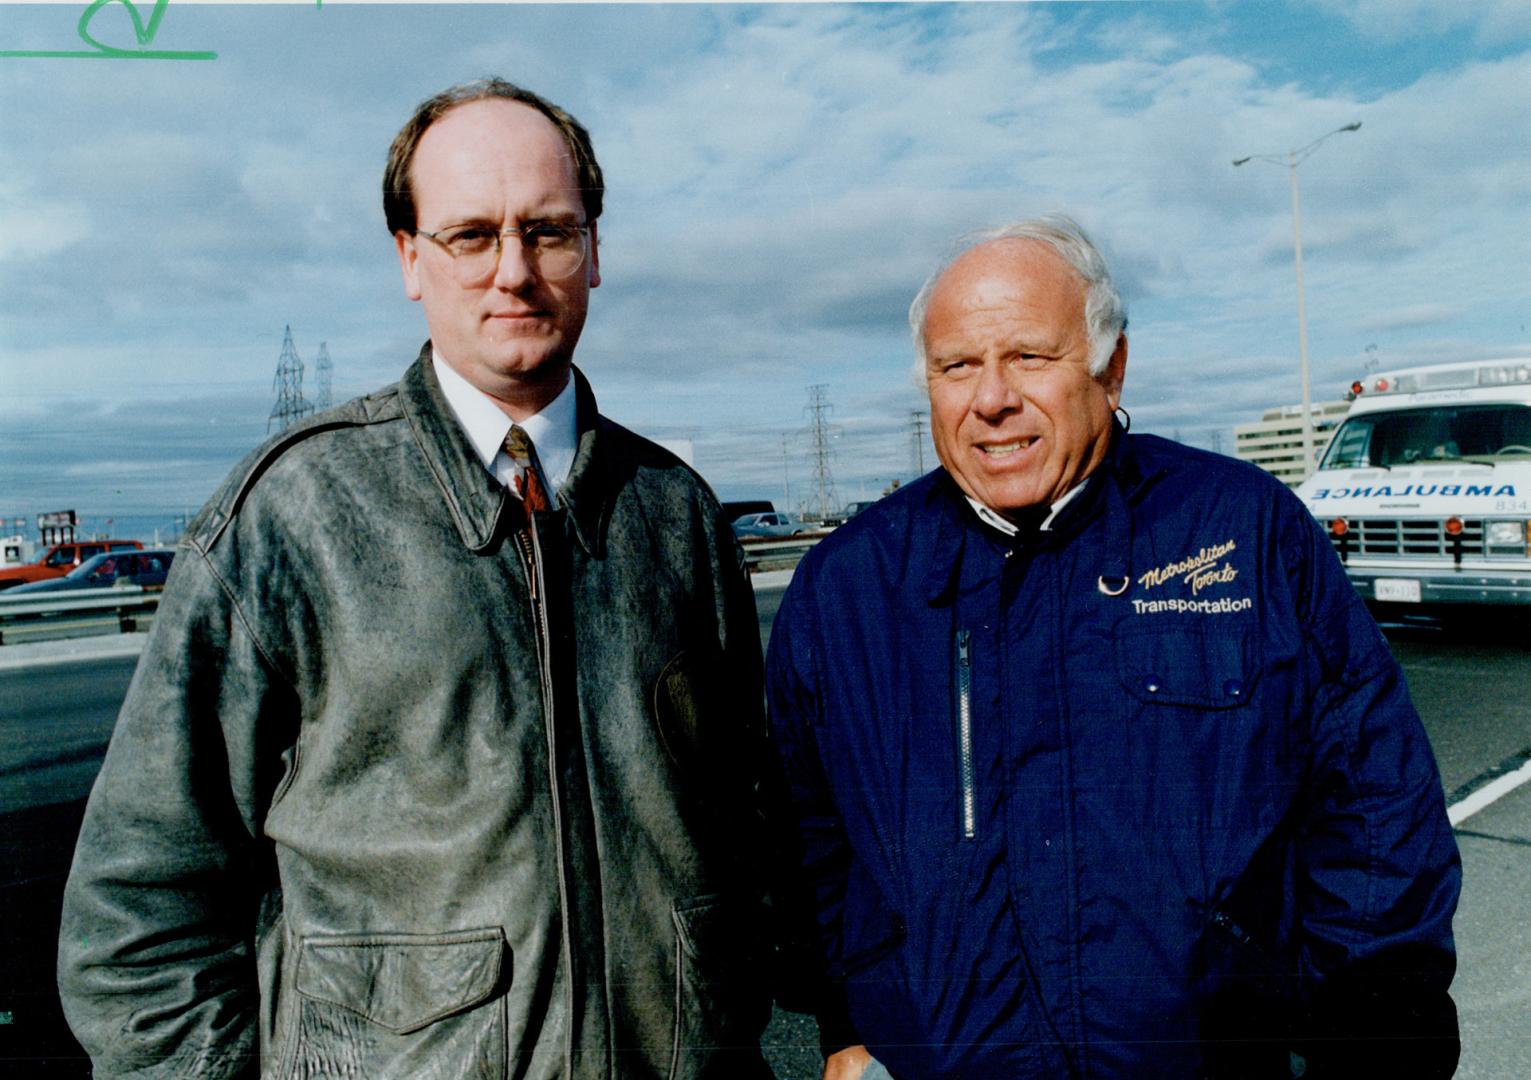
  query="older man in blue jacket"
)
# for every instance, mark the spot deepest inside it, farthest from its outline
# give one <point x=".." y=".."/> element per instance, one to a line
<point x="1101" y="767"/>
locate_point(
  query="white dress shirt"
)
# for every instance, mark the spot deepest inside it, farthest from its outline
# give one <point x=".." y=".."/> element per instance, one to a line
<point x="1008" y="527"/>
<point x="554" y="431"/>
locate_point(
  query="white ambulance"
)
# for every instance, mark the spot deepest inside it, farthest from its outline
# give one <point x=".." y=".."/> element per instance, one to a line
<point x="1426" y="486"/>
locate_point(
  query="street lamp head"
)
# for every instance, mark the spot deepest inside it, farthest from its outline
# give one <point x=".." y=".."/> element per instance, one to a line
<point x="1239" y="162"/>
<point x="1352" y="126"/>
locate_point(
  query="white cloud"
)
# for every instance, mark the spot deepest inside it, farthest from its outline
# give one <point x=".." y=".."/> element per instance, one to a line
<point x="782" y="178"/>
<point x="33" y="226"/>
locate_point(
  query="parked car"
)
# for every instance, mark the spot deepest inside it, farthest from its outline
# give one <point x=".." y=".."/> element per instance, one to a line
<point x="737" y="509"/>
<point x="146" y="568"/>
<point x="852" y="509"/>
<point x="772" y="524"/>
<point x="61" y="559"/>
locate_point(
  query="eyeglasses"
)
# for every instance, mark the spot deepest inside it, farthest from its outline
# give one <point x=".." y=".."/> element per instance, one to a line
<point x="554" y="249"/>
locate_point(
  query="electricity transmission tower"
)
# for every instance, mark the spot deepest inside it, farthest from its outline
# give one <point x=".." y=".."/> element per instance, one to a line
<point x="819" y="410"/>
<point x="322" y="371"/>
<point x="917" y="432"/>
<point x="290" y="406"/>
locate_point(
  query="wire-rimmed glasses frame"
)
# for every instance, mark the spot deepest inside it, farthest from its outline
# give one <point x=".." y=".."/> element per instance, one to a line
<point x="555" y="249"/>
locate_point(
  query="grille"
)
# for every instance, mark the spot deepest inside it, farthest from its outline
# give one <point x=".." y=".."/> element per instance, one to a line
<point x="1405" y="536"/>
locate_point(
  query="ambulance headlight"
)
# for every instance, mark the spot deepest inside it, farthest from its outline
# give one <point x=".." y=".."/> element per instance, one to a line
<point x="1507" y="537"/>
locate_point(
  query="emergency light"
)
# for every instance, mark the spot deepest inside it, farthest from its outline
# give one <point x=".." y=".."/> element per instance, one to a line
<point x="1452" y="377"/>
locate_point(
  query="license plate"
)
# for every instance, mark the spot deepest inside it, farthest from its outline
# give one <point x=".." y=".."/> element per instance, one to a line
<point x="1402" y="589"/>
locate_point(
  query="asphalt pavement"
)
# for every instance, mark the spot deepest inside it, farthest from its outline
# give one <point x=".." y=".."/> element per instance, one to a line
<point x="1493" y="926"/>
<point x="1472" y="684"/>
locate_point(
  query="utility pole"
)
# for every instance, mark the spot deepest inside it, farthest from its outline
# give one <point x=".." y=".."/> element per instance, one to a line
<point x="819" y="410"/>
<point x="917" y="430"/>
<point x="786" y="479"/>
<point x="322" y="371"/>
<point x="290" y="406"/>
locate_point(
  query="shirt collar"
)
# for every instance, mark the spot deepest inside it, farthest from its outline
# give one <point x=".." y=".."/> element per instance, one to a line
<point x="553" y="431"/>
<point x="1009" y="528"/>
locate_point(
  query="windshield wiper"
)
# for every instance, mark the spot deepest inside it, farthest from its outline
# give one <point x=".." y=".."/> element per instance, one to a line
<point x="1451" y="460"/>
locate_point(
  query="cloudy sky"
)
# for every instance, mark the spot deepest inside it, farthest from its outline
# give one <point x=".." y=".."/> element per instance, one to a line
<point x="781" y="178"/>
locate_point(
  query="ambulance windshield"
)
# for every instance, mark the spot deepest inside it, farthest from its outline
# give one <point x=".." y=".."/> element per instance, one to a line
<point x="1439" y="433"/>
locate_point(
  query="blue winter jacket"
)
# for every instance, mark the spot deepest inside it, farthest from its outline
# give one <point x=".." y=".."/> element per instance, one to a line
<point x="1140" y="795"/>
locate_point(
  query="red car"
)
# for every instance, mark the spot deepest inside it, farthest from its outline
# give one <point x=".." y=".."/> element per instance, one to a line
<point x="62" y="558"/>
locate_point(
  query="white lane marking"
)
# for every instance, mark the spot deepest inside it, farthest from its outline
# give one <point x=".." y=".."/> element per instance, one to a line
<point x="1488" y="793"/>
<point x="771" y="579"/>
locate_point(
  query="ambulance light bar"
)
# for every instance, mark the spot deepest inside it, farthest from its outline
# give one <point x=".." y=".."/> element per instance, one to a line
<point x="1453" y="378"/>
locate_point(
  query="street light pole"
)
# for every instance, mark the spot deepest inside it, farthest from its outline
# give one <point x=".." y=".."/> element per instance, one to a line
<point x="1302" y="325"/>
<point x="1292" y="159"/>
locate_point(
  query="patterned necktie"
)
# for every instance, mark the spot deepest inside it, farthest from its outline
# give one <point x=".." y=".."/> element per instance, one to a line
<point x="534" y="493"/>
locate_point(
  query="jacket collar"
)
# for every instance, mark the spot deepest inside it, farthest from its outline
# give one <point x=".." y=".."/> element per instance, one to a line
<point x="476" y="500"/>
<point x="1114" y="484"/>
<point x="591" y="488"/>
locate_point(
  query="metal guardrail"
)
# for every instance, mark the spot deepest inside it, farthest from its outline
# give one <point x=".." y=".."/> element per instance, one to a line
<point x="124" y="609"/>
<point x="75" y="613"/>
<point x="783" y="553"/>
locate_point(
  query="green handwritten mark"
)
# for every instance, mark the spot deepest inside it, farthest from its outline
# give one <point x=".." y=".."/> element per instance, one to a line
<point x="143" y="32"/>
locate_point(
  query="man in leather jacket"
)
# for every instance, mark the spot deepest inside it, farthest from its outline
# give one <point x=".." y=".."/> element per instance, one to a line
<point x="441" y="758"/>
<point x="1101" y="767"/>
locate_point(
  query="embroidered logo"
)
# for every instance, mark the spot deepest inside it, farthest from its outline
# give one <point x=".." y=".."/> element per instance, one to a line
<point x="1198" y="571"/>
<point x="1225" y="606"/>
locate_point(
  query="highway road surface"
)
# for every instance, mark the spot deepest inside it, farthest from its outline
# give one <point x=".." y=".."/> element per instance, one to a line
<point x="1471" y="682"/>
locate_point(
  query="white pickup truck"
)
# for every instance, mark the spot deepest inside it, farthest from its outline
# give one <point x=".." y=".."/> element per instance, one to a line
<point x="1426" y="486"/>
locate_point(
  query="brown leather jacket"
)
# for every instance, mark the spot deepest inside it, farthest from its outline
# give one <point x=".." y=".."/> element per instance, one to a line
<point x="374" y="809"/>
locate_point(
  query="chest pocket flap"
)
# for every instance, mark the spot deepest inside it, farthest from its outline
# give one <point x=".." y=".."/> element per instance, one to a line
<point x="402" y="982"/>
<point x="1209" y="668"/>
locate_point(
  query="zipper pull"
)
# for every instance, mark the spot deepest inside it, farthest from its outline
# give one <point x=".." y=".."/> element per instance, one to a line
<point x="529" y="558"/>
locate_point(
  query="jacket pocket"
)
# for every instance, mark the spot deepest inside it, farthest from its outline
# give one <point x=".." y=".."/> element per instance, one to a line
<point x="1247" y="1002"/>
<point x="400" y="1005"/>
<point x="1189" y="666"/>
<point x="719" y="1008"/>
<point x="1198" y="718"/>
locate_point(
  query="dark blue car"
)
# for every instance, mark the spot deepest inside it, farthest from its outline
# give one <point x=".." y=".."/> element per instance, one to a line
<point x="144" y="568"/>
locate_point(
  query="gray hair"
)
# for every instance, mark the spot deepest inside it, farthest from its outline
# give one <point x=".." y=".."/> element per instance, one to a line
<point x="1105" y="316"/>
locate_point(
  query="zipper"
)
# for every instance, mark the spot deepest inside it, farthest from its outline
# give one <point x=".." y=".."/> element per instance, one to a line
<point x="526" y="542"/>
<point x="965" y="734"/>
<point x="539" y="607"/>
<point x="529" y="560"/>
